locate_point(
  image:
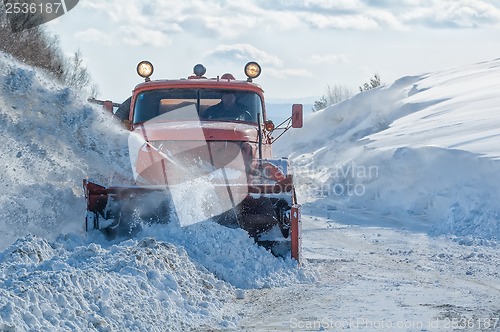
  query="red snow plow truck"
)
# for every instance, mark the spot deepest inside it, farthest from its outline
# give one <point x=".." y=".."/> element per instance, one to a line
<point x="203" y="143"/>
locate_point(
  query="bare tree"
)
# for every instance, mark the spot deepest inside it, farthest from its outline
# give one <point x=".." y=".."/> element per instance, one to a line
<point x="334" y="95"/>
<point x="338" y="93"/>
<point x="75" y="74"/>
<point x="31" y="46"/>
<point x="93" y="91"/>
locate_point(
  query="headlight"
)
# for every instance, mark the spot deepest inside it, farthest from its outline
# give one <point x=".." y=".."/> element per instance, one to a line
<point x="145" y="69"/>
<point x="269" y="125"/>
<point x="252" y="70"/>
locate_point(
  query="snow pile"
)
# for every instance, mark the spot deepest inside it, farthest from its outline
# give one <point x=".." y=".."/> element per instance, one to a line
<point x="424" y="150"/>
<point x="232" y="255"/>
<point x="168" y="278"/>
<point x="43" y="124"/>
<point x="141" y="285"/>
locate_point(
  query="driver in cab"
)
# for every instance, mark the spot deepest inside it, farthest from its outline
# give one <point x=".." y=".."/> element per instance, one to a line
<point x="227" y="109"/>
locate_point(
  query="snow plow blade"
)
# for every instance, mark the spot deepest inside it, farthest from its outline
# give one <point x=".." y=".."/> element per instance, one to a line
<point x="268" y="213"/>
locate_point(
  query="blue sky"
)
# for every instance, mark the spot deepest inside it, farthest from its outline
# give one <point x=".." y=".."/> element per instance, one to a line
<point x="303" y="46"/>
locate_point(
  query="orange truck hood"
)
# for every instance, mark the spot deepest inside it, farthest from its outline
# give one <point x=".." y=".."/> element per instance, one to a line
<point x="197" y="130"/>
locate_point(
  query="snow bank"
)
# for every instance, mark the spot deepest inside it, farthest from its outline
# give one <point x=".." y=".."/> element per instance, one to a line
<point x="50" y="142"/>
<point x="232" y="255"/>
<point x="423" y="150"/>
<point x="141" y="285"/>
<point x="461" y="112"/>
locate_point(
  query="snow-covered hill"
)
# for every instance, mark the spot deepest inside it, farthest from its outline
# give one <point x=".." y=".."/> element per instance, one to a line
<point x="51" y="140"/>
<point x="399" y="187"/>
<point x="423" y="150"/>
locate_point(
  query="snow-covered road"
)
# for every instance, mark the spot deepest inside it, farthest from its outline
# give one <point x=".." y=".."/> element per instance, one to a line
<point x="377" y="278"/>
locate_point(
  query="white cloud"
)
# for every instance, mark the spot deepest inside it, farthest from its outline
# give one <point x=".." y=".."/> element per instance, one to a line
<point x="399" y="15"/>
<point x="214" y="19"/>
<point x="134" y="22"/>
<point x="327" y="59"/>
<point x="456" y="14"/>
<point x="387" y="20"/>
<point x="311" y="5"/>
<point x="230" y="27"/>
<point x="144" y="37"/>
<point x="351" y="5"/>
<point x="245" y="52"/>
<point x="288" y="73"/>
<point x="352" y="22"/>
<point x="118" y="11"/>
<point x="93" y="35"/>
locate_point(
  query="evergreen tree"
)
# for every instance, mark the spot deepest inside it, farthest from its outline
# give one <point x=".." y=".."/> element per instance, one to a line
<point x="374" y="82"/>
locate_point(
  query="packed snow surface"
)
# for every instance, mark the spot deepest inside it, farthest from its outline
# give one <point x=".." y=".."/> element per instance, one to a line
<point x="424" y="150"/>
<point x="399" y="187"/>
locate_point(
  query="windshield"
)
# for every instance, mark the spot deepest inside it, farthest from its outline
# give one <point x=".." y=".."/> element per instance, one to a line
<point x="197" y="104"/>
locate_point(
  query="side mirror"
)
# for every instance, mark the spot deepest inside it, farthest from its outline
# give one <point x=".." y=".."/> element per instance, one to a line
<point x="108" y="106"/>
<point x="297" y="115"/>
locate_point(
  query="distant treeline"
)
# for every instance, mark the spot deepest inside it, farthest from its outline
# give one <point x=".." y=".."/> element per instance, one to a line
<point x="340" y="92"/>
